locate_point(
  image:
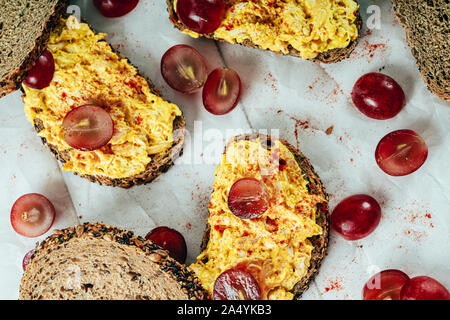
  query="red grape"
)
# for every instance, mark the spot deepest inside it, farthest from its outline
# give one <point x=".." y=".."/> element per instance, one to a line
<point x="401" y="152"/>
<point x="27" y="258"/>
<point x="88" y="128"/>
<point x="32" y="215"/>
<point x="184" y="69"/>
<point x="236" y="284"/>
<point x="41" y="75"/>
<point x="356" y="217"/>
<point x="378" y="96"/>
<point x="201" y="16"/>
<point x="385" y="285"/>
<point x="171" y="240"/>
<point x="424" y="288"/>
<point x="222" y="91"/>
<point x="115" y="8"/>
<point x="248" y="198"/>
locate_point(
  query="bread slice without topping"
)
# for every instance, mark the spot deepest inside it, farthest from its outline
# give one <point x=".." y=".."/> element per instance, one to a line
<point x="159" y="163"/>
<point x="330" y="56"/>
<point x="315" y="187"/>
<point x="95" y="261"/>
<point x="24" y="30"/>
<point x="427" y="28"/>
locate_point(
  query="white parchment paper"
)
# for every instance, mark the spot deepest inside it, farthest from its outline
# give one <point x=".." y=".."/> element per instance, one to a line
<point x="308" y="103"/>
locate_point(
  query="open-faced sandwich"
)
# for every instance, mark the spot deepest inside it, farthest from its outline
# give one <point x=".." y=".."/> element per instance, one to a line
<point x="92" y="108"/>
<point x="427" y="32"/>
<point x="268" y="224"/>
<point x="323" y="31"/>
<point x="95" y="261"/>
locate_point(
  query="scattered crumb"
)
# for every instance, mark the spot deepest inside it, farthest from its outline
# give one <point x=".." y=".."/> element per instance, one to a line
<point x="329" y="130"/>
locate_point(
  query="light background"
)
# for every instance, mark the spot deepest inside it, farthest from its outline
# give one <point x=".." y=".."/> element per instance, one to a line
<point x="301" y="99"/>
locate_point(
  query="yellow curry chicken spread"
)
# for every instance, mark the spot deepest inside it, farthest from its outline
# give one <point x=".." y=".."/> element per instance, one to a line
<point x="309" y="26"/>
<point x="89" y="72"/>
<point x="274" y="247"/>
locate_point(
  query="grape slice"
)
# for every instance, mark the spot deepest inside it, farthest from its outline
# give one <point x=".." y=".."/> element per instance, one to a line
<point x="356" y="217"/>
<point x="171" y="240"/>
<point x="184" y="69"/>
<point x="32" y="215"/>
<point x="236" y="284"/>
<point x="41" y="75"/>
<point x="385" y="285"/>
<point x="378" y="96"/>
<point x="424" y="288"/>
<point x="248" y="198"/>
<point x="201" y="16"/>
<point x="401" y="152"/>
<point x="88" y="128"/>
<point x="222" y="91"/>
<point x="115" y="8"/>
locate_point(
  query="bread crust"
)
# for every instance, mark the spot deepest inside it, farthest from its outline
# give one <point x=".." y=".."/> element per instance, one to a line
<point x="413" y="43"/>
<point x="160" y="163"/>
<point x="14" y="81"/>
<point x="189" y="283"/>
<point x="330" y="56"/>
<point x="315" y="187"/>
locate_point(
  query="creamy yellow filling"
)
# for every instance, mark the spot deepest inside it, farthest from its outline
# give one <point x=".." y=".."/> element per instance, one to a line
<point x="89" y="72"/>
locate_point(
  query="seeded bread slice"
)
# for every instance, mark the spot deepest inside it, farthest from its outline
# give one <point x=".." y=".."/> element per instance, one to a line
<point x="428" y="34"/>
<point x="159" y="164"/>
<point x="95" y="261"/>
<point x="24" y="30"/>
<point x="315" y="187"/>
<point x="330" y="56"/>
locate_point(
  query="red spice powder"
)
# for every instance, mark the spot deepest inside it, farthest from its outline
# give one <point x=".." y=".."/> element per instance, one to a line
<point x="333" y="285"/>
<point x="369" y="50"/>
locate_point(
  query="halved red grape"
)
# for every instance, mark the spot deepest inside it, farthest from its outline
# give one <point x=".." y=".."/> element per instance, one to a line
<point x="184" y="69"/>
<point x="248" y="198"/>
<point x="356" y="217"/>
<point x="27" y="258"/>
<point x="88" y="127"/>
<point x="171" y="240"/>
<point x="385" y="285"/>
<point x="41" y="75"/>
<point x="201" y="16"/>
<point x="222" y="91"/>
<point x="424" y="288"/>
<point x="236" y="284"/>
<point x="401" y="152"/>
<point x="378" y="96"/>
<point x="115" y="8"/>
<point x="32" y="215"/>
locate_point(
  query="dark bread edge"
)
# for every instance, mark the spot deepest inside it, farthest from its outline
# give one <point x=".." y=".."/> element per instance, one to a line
<point x="438" y="91"/>
<point x="14" y="81"/>
<point x="330" y="56"/>
<point x="189" y="283"/>
<point x="315" y="186"/>
<point x="160" y="163"/>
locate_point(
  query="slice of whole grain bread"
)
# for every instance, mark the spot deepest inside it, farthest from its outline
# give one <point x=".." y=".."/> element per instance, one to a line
<point x="428" y="34"/>
<point x="95" y="261"/>
<point x="160" y="163"/>
<point x="316" y="187"/>
<point x="24" y="30"/>
<point x="330" y="56"/>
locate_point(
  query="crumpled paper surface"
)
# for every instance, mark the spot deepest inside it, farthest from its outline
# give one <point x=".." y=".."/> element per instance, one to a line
<point x="308" y="103"/>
